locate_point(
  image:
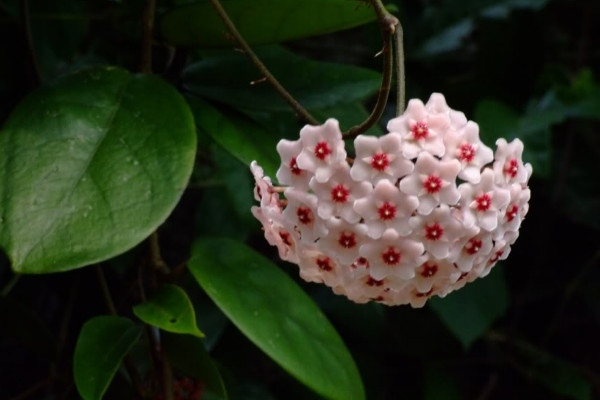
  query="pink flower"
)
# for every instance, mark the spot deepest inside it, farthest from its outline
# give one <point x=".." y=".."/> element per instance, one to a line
<point x="263" y="188"/>
<point x="481" y="203"/>
<point x="301" y="212"/>
<point x="474" y="250"/>
<point x="420" y="130"/>
<point x="278" y="233"/>
<point x="323" y="149"/>
<point x="289" y="173"/>
<point x="337" y="195"/>
<point x="379" y="158"/>
<point x="392" y="255"/>
<point x="437" y="231"/>
<point x="316" y="266"/>
<point x="464" y="145"/>
<point x="343" y="240"/>
<point x="433" y="181"/>
<point x="510" y="218"/>
<point x="509" y="166"/>
<point x="435" y="272"/>
<point x="386" y="207"/>
<point x="437" y="105"/>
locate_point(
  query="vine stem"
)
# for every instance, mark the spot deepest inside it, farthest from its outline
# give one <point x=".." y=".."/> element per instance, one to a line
<point x="148" y="28"/>
<point x="155" y="258"/>
<point x="400" y="72"/>
<point x="10" y="285"/>
<point x="302" y="112"/>
<point x="388" y="24"/>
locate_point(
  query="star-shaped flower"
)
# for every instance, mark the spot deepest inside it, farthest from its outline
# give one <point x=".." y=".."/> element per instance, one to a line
<point x="482" y="202"/>
<point x="509" y="166"/>
<point x="464" y="145"/>
<point x="437" y="231"/>
<point x="379" y="158"/>
<point x="289" y="173"/>
<point x="301" y="212"/>
<point x="343" y="240"/>
<point x="323" y="149"/>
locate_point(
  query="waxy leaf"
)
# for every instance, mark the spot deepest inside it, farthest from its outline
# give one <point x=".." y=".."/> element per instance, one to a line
<point x="227" y="78"/>
<point x="243" y="138"/>
<point x="262" y="21"/>
<point x="102" y="344"/>
<point x="469" y="312"/>
<point x="170" y="310"/>
<point x="90" y="166"/>
<point x="275" y="314"/>
<point x="187" y="353"/>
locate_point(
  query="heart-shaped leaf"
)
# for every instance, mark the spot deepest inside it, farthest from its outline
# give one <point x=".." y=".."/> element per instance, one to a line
<point x="226" y="78"/>
<point x="187" y="353"/>
<point x="262" y="21"/>
<point x="274" y="313"/>
<point x="102" y="344"/>
<point x="171" y="310"/>
<point x="90" y="166"/>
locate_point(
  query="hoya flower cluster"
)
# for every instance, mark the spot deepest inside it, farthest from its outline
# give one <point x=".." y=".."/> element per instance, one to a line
<point x="420" y="211"/>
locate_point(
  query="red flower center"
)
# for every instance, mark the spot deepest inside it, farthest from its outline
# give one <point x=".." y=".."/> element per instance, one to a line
<point x="496" y="256"/>
<point x="484" y="202"/>
<point x="294" y="167"/>
<point x="304" y="215"/>
<point x="374" y="282"/>
<point x="380" y="161"/>
<point x="511" y="168"/>
<point x="322" y="150"/>
<point x="426" y="294"/>
<point x="340" y="193"/>
<point x="285" y="237"/>
<point x="324" y="263"/>
<point x="429" y="270"/>
<point x="387" y="211"/>
<point x="473" y="246"/>
<point x="434" y="232"/>
<point x="361" y="262"/>
<point x="347" y="240"/>
<point x="420" y="130"/>
<point x="512" y="212"/>
<point x="466" y="152"/>
<point x="432" y="184"/>
<point x="391" y="256"/>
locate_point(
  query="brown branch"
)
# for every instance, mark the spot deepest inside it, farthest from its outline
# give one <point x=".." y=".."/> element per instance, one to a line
<point x="302" y="112"/>
<point x="147" y="29"/>
<point x="400" y="74"/>
<point x="388" y="24"/>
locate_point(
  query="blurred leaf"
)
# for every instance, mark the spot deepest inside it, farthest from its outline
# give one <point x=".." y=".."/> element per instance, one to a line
<point x="171" y="310"/>
<point x="448" y="40"/>
<point x="243" y="138"/>
<point x="470" y="311"/>
<point x="187" y="353"/>
<point x="503" y="8"/>
<point x="21" y="323"/>
<point x="275" y="314"/>
<point x="90" y="166"/>
<point x="497" y="120"/>
<point x="261" y="21"/>
<point x="102" y="344"/>
<point x="556" y="374"/>
<point x="227" y="78"/>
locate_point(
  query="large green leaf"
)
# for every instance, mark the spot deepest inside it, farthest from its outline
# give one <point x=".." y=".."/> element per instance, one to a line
<point x="90" y="166"/>
<point x="170" y="310"/>
<point x="243" y="138"/>
<point x="187" y="353"/>
<point x="269" y="308"/>
<point x="102" y="344"/>
<point x="469" y="312"/>
<point x="261" y="21"/>
<point x="227" y="78"/>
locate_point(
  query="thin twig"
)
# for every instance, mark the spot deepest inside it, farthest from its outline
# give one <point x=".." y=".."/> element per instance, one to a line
<point x="155" y="258"/>
<point x="105" y="291"/>
<point x="26" y="17"/>
<point x="10" y="285"/>
<point x="302" y="112"/>
<point x="148" y="28"/>
<point x="167" y="376"/>
<point x="388" y="24"/>
<point x="400" y="72"/>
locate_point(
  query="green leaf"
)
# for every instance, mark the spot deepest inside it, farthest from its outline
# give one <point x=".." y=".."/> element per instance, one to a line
<point x="171" y="310"/>
<point x="102" y="344"/>
<point x="275" y="314"/>
<point x="187" y="353"/>
<point x="243" y="138"/>
<point x="227" y="78"/>
<point x="261" y="21"/>
<point x="470" y="311"/>
<point x="90" y="166"/>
